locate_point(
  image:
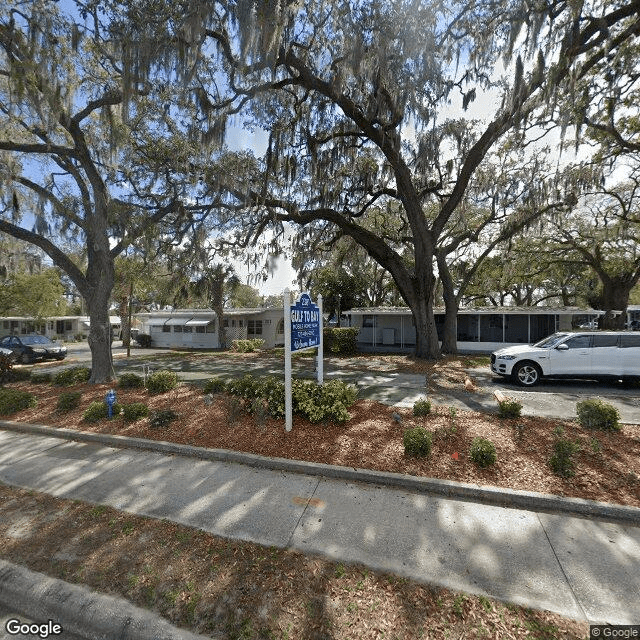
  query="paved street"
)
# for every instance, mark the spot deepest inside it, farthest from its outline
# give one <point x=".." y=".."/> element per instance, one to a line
<point x="584" y="569"/>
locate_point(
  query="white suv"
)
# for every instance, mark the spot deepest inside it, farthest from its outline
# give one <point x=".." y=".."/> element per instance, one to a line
<point x="587" y="354"/>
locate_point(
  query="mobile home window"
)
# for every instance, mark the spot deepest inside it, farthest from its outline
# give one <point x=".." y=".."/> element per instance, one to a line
<point x="367" y="321"/>
<point x="254" y="327"/>
<point x="177" y="328"/>
<point x="516" y="328"/>
<point x="166" y="328"/>
<point x="468" y="328"/>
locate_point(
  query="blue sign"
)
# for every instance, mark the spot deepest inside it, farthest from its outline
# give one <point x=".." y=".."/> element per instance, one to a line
<point x="306" y="324"/>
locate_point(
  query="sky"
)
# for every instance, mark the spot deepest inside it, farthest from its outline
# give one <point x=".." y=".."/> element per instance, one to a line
<point x="284" y="275"/>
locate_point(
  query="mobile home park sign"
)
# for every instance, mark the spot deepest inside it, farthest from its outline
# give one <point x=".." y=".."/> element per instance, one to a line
<point x="305" y="324"/>
<point x="302" y="330"/>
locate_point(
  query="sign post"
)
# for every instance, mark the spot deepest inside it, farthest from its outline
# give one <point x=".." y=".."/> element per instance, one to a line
<point x="302" y="330"/>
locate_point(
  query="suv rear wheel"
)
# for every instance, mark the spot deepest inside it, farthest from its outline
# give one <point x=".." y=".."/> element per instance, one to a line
<point x="526" y="374"/>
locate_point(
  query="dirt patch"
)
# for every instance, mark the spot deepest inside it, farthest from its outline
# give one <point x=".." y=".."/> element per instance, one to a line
<point x="246" y="591"/>
<point x="607" y="464"/>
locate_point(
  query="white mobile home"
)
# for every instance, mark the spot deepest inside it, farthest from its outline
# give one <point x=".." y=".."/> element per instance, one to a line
<point x="198" y="328"/>
<point x="67" y="328"/>
<point x="482" y="330"/>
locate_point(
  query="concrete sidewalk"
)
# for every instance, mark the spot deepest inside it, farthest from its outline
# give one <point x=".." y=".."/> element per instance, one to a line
<point x="586" y="569"/>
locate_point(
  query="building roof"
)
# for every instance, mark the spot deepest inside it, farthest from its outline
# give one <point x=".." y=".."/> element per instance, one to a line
<point x="475" y="310"/>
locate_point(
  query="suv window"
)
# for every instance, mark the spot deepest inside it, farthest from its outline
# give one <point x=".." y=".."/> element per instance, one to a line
<point x="579" y="342"/>
<point x="629" y="340"/>
<point x="605" y="340"/>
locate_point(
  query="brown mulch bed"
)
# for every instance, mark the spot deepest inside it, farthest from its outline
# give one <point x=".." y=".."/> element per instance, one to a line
<point x="607" y="465"/>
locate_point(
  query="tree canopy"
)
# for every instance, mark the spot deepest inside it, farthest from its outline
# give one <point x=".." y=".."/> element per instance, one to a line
<point x="357" y="99"/>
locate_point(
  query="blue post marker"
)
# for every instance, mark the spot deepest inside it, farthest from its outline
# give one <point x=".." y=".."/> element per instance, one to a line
<point x="110" y="399"/>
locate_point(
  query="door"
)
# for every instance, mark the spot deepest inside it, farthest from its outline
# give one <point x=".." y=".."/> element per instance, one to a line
<point x="571" y="357"/>
<point x="605" y="358"/>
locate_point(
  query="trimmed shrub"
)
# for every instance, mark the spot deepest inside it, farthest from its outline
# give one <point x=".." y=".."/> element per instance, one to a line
<point x="509" y="409"/>
<point x="97" y="411"/>
<point x="561" y="461"/>
<point x="417" y="442"/>
<point x="14" y="400"/>
<point x="162" y="381"/>
<point x="144" y="340"/>
<point x="340" y="341"/>
<point x="482" y="452"/>
<point x="74" y="375"/>
<point x="596" y="414"/>
<point x="134" y="411"/>
<point x="329" y="401"/>
<point x="130" y="381"/>
<point x="162" y="418"/>
<point x="421" y="407"/>
<point x="214" y="385"/>
<point x="40" y="378"/>
<point x="68" y="401"/>
<point x="247" y="346"/>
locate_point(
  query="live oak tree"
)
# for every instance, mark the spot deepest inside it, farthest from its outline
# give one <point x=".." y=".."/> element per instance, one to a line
<point x="602" y="233"/>
<point x="67" y="119"/>
<point x="355" y="95"/>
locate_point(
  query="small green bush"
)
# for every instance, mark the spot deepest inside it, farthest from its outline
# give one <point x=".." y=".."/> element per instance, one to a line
<point x="162" y="381"/>
<point x="421" y="407"/>
<point x="97" y="411"/>
<point x="340" y="341"/>
<point x="417" y="442"/>
<point x="509" y="409"/>
<point x="162" y="418"/>
<point x="561" y="461"/>
<point x="214" y="385"/>
<point x="596" y="414"/>
<point x="14" y="400"/>
<point x="134" y="411"/>
<point x="74" y="375"/>
<point x="482" y="452"/>
<point x="68" y="401"/>
<point x="327" y="402"/>
<point x="144" y="340"/>
<point x="247" y="346"/>
<point x="40" y="378"/>
<point x="130" y="381"/>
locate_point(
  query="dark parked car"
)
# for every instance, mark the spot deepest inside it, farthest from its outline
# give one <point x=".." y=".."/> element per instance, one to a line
<point x="34" y="347"/>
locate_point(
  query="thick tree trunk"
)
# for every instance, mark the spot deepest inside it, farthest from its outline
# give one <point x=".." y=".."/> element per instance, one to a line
<point x="615" y="299"/>
<point x="450" y="329"/>
<point x="100" y="336"/>
<point x="97" y="289"/>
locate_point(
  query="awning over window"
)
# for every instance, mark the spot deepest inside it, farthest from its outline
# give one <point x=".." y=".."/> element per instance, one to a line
<point x="197" y="322"/>
<point x="176" y="321"/>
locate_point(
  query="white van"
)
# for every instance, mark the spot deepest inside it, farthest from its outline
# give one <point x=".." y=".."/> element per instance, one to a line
<point x="588" y="354"/>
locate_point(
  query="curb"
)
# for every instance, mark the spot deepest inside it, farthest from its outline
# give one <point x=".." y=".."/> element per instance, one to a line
<point x="80" y="610"/>
<point x="497" y="496"/>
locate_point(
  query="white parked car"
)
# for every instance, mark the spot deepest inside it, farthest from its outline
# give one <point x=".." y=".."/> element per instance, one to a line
<point x="602" y="354"/>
